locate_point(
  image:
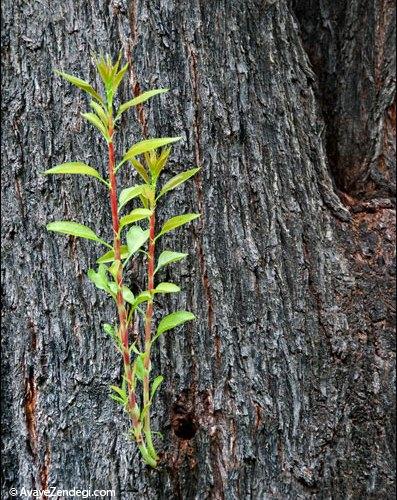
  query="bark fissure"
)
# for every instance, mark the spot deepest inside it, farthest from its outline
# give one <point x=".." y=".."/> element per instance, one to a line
<point x="356" y="89"/>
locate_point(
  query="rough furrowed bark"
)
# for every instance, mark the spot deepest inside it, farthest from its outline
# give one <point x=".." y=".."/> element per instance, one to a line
<point x="351" y="46"/>
<point x="283" y="387"/>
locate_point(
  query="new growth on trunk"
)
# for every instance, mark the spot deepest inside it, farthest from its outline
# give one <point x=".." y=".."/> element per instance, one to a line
<point x="137" y="390"/>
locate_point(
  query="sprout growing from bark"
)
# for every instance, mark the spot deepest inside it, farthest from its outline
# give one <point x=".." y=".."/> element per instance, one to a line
<point x="130" y="240"/>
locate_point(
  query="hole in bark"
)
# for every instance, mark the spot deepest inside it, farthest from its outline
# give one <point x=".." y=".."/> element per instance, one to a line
<point x="185" y="427"/>
<point x="183" y="421"/>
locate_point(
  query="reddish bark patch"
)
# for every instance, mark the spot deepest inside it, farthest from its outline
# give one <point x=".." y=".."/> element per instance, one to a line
<point x="30" y="411"/>
<point x="45" y="468"/>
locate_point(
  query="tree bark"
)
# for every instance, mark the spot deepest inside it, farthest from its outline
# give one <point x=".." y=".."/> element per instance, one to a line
<point x="283" y="387"/>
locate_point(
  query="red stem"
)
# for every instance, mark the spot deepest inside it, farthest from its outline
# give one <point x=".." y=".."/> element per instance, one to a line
<point x="122" y="313"/>
<point x="149" y="312"/>
<point x="150" y="272"/>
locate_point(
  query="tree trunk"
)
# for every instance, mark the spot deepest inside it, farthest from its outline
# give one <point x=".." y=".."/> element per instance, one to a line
<point x="283" y="386"/>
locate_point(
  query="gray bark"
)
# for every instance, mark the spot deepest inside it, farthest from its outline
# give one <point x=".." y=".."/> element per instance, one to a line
<point x="283" y="388"/>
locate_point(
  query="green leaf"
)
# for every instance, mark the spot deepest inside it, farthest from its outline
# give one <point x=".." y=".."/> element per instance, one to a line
<point x="136" y="237"/>
<point x="155" y="385"/>
<point x="74" y="229"/>
<point x="81" y="84"/>
<point x="135" y="215"/>
<point x="177" y="221"/>
<point x="129" y="193"/>
<point x="117" y="399"/>
<point x="139" y="366"/>
<point x="109" y="329"/>
<point x="113" y="287"/>
<point x="120" y="393"/>
<point x="142" y="297"/>
<point x="168" y="257"/>
<point x="109" y="256"/>
<point x="103" y="68"/>
<point x="94" y="120"/>
<point x="101" y="113"/>
<point x="167" y="288"/>
<point x="118" y="77"/>
<point x="178" y="180"/>
<point x="128" y="296"/>
<point x="173" y="320"/>
<point x="114" y="268"/>
<point x="139" y="100"/>
<point x="134" y="348"/>
<point x="161" y="162"/>
<point x="140" y="169"/>
<point x="75" y="167"/>
<point x="99" y="278"/>
<point x="148" y="193"/>
<point x="148" y="145"/>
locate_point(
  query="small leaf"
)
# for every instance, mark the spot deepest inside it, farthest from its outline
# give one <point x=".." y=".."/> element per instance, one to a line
<point x="135" y="215"/>
<point x="101" y="113"/>
<point x="134" y="349"/>
<point x="99" y="278"/>
<point x="148" y="145"/>
<point x="167" y="288"/>
<point x="149" y="193"/>
<point x="140" y="169"/>
<point x="117" y="399"/>
<point x="155" y="385"/>
<point x="113" y="287"/>
<point x="136" y="237"/>
<point x="139" y="100"/>
<point x="109" y="329"/>
<point x="81" y="84"/>
<point x="161" y="162"/>
<point x="119" y="77"/>
<point x="119" y="393"/>
<point x="75" y="167"/>
<point x="142" y="297"/>
<point x="128" y="296"/>
<point x="103" y="70"/>
<point x="94" y="120"/>
<point x="178" y="180"/>
<point x="173" y="320"/>
<point x="109" y="256"/>
<point x="74" y="229"/>
<point x="129" y="193"/>
<point x="168" y="257"/>
<point x="177" y="221"/>
<point x="114" y="268"/>
<point x="139" y="366"/>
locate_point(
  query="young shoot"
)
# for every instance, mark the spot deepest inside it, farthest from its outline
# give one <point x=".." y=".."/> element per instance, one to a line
<point x="134" y="236"/>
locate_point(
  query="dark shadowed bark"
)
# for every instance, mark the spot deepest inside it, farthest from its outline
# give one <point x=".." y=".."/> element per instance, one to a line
<point x="283" y="388"/>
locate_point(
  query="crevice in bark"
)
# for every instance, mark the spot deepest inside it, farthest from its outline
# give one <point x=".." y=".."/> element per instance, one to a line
<point x="45" y="468"/>
<point x="183" y="420"/>
<point x="30" y="412"/>
<point x="355" y="89"/>
<point x="194" y="78"/>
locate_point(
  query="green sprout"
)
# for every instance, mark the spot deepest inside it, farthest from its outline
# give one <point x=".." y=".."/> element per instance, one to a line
<point x="148" y="158"/>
